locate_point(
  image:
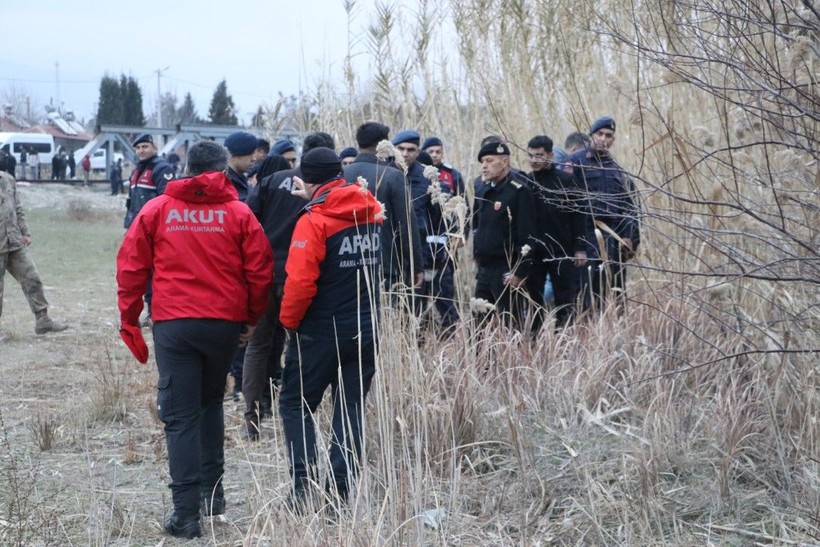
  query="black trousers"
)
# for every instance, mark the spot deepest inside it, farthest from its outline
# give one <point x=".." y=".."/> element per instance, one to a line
<point x="490" y="286"/>
<point x="193" y="357"/>
<point x="312" y="365"/>
<point x="264" y="347"/>
<point x="566" y="284"/>
<point x="604" y="280"/>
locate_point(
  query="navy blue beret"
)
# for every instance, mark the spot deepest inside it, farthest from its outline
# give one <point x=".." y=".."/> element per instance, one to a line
<point x="241" y="143"/>
<point x="348" y="153"/>
<point x="145" y="137"/>
<point x="605" y="122"/>
<point x="431" y="141"/>
<point x="408" y="135"/>
<point x="282" y="146"/>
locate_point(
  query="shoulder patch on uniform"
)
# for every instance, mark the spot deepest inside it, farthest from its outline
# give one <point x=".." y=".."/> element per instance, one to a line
<point x="516" y="184"/>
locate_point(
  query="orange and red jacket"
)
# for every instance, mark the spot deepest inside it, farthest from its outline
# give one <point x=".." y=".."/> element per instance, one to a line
<point x="333" y="281"/>
<point x="209" y="255"/>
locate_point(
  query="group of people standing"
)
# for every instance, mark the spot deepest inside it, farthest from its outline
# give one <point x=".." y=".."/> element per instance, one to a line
<point x="298" y="269"/>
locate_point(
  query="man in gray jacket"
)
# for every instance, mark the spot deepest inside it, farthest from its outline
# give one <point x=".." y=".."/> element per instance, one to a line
<point x="401" y="242"/>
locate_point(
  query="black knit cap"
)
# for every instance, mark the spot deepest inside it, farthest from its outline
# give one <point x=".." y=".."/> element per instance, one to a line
<point x="320" y="166"/>
<point x="494" y="149"/>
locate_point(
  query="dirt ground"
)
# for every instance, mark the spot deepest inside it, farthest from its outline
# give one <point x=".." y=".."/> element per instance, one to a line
<point x="83" y="454"/>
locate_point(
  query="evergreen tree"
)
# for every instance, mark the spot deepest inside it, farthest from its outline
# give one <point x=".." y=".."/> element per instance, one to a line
<point x="110" y="107"/>
<point x="222" y="107"/>
<point x="187" y="112"/>
<point x="132" y="101"/>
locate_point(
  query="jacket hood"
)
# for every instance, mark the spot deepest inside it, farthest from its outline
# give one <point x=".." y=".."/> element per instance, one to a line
<point x="212" y="187"/>
<point x="339" y="199"/>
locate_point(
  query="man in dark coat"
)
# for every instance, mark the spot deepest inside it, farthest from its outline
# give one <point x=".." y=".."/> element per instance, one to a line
<point x="558" y="247"/>
<point x="401" y="249"/>
<point x="503" y="220"/>
<point x="610" y="203"/>
<point x="277" y="210"/>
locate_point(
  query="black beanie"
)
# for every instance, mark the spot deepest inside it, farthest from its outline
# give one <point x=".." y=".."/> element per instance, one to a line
<point x="320" y="165"/>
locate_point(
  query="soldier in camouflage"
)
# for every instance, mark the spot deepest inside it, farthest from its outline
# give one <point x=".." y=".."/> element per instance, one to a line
<point x="14" y="257"/>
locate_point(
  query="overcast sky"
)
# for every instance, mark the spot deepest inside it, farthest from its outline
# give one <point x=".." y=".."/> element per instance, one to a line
<point x="261" y="47"/>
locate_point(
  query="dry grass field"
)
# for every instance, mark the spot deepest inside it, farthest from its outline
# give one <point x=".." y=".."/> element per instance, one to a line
<point x="693" y="419"/>
<point x="589" y="437"/>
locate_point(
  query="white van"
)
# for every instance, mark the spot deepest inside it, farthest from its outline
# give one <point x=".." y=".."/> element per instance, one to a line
<point x="14" y="143"/>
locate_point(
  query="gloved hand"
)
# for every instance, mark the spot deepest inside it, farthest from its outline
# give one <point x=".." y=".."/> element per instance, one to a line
<point x="132" y="336"/>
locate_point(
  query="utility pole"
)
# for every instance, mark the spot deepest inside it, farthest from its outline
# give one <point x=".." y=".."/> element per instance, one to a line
<point x="57" y="69"/>
<point x="159" y="72"/>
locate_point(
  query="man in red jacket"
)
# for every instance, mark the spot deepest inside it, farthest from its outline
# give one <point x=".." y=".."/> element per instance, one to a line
<point x="330" y="305"/>
<point x="212" y="272"/>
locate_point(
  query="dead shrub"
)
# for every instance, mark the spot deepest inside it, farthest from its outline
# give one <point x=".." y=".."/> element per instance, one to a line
<point x="43" y="428"/>
<point x="79" y="210"/>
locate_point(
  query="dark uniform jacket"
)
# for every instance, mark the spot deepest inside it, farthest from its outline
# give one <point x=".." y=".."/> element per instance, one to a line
<point x="239" y="182"/>
<point x="429" y="215"/>
<point x="452" y="178"/>
<point x="148" y="180"/>
<point x="609" y="195"/>
<point x="503" y="222"/>
<point x="560" y="221"/>
<point x="277" y="210"/>
<point x="400" y="240"/>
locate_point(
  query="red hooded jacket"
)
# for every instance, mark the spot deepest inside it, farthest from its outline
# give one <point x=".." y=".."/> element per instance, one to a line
<point x="209" y="255"/>
<point x="332" y="284"/>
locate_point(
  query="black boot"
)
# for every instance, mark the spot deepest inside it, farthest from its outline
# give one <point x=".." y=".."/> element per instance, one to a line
<point x="183" y="526"/>
<point x="213" y="501"/>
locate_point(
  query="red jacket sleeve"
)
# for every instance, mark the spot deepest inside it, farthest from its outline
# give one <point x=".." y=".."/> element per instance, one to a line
<point x="257" y="259"/>
<point x="307" y="252"/>
<point x="134" y="262"/>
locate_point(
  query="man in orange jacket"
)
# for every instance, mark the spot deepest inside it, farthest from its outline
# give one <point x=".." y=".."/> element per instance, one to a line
<point x="330" y="305"/>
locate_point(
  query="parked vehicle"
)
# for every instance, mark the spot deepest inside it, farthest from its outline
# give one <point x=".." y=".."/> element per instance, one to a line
<point x="42" y="143"/>
<point x="97" y="158"/>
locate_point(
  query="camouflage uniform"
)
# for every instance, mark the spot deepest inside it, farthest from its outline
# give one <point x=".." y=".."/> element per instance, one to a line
<point x="14" y="256"/>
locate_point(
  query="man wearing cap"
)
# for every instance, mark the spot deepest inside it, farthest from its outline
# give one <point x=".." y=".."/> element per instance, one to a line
<point x="331" y="306"/>
<point x="148" y="179"/>
<point x="503" y="223"/>
<point x="348" y="156"/>
<point x="277" y="209"/>
<point x="446" y="172"/>
<point x="612" y="211"/>
<point x="438" y="265"/>
<point x="241" y="149"/>
<point x="286" y="149"/>
<point x="401" y="248"/>
<point x="212" y="270"/>
<point x="558" y="246"/>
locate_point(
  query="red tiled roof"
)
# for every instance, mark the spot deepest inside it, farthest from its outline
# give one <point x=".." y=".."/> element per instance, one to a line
<point x="8" y="126"/>
<point x="57" y="133"/>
